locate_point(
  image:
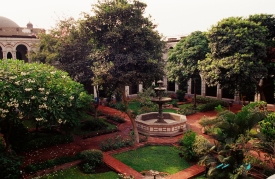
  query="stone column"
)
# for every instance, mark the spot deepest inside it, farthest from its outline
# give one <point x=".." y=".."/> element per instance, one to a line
<point x="140" y="87"/>
<point x="127" y="90"/>
<point x="236" y="96"/>
<point x="189" y="89"/>
<point x="219" y="91"/>
<point x="4" y="54"/>
<point x="14" y="55"/>
<point x="176" y="87"/>
<point x="165" y="84"/>
<point x="203" y="87"/>
<point x="257" y="97"/>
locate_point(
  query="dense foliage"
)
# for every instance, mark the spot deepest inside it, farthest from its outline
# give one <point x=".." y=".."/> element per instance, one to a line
<point x="39" y="93"/>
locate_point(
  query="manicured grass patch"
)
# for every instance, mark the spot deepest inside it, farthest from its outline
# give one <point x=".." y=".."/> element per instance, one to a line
<point x="75" y="173"/>
<point x="159" y="158"/>
<point x="134" y="105"/>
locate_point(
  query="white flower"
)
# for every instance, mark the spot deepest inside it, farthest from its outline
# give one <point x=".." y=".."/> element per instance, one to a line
<point x="41" y="89"/>
<point x="63" y="76"/>
<point x="23" y="73"/>
<point x="3" y="115"/>
<point x="12" y="77"/>
<point x="44" y="98"/>
<point x="59" y="121"/>
<point x="28" y="89"/>
<point x="53" y="72"/>
<point x="38" y="119"/>
<point x="71" y="97"/>
<point x="33" y="97"/>
<point x="47" y="92"/>
<point x="17" y="82"/>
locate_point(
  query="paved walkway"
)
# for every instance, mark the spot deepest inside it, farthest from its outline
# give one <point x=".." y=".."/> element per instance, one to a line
<point x="123" y="129"/>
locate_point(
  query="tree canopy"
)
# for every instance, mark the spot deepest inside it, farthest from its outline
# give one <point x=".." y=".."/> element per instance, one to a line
<point x="121" y="34"/>
<point x="67" y="48"/>
<point x="183" y="59"/>
<point x="237" y="52"/>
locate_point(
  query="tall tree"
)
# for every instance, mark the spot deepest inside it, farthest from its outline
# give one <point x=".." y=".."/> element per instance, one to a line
<point x="237" y="53"/>
<point x="67" y="48"/>
<point x="121" y="34"/>
<point x="268" y="21"/>
<point x="183" y="59"/>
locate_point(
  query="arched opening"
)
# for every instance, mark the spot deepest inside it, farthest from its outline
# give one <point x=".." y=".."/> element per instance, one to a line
<point x="1" y="53"/>
<point x="227" y="94"/>
<point x="9" y="55"/>
<point x="171" y="86"/>
<point x="211" y="91"/>
<point x="133" y="89"/>
<point x="21" y="53"/>
<point x="196" y="85"/>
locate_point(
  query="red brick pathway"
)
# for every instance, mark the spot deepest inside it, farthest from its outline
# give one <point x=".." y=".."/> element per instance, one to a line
<point x="124" y="129"/>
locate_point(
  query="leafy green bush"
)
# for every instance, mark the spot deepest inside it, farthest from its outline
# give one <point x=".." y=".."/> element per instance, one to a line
<point x="186" y="143"/>
<point x="201" y="146"/>
<point x="9" y="166"/>
<point x="32" y="168"/>
<point x="94" y="125"/>
<point x="118" y="105"/>
<point x="115" y="143"/>
<point x="180" y="95"/>
<point x="174" y="103"/>
<point x="2" y="145"/>
<point x="116" y="118"/>
<point x="47" y="141"/>
<point x="209" y="104"/>
<point x="268" y="127"/>
<point x="91" y="158"/>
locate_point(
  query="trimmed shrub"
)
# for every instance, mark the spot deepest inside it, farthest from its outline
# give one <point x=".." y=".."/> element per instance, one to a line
<point x="32" y="168"/>
<point x="9" y="166"/>
<point x="180" y="95"/>
<point x="94" y="125"/>
<point x="186" y="143"/>
<point x="49" y="141"/>
<point x="115" y="143"/>
<point x="116" y="118"/>
<point x="91" y="158"/>
<point x="201" y="146"/>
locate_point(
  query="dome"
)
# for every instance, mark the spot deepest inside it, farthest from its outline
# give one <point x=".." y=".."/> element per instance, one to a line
<point x="5" y="22"/>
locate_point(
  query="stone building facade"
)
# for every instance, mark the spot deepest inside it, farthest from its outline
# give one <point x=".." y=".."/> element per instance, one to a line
<point x="17" y="42"/>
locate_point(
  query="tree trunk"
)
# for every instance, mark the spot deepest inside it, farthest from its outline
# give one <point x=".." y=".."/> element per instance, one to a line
<point x="130" y="115"/>
<point x="97" y="102"/>
<point x="7" y="135"/>
<point x="260" y="88"/>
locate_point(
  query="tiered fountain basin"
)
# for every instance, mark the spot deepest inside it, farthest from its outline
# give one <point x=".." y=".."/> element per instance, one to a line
<point x="175" y="124"/>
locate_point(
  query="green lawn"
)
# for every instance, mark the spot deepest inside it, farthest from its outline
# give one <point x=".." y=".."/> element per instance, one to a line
<point x="75" y="173"/>
<point x="159" y="158"/>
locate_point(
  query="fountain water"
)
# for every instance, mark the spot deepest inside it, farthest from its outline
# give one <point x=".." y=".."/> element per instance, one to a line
<point x="159" y="123"/>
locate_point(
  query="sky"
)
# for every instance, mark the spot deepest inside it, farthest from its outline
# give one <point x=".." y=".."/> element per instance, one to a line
<point x="175" y="18"/>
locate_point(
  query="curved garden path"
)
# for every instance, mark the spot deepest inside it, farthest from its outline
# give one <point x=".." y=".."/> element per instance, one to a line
<point x="80" y="144"/>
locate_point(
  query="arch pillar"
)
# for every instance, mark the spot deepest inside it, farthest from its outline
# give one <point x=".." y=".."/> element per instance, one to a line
<point x="203" y="87"/>
<point x="189" y="89"/>
<point x="219" y="91"/>
<point x="5" y="53"/>
<point x="13" y="54"/>
<point x="140" y="87"/>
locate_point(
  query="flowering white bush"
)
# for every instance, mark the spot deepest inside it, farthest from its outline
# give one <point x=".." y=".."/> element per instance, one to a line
<point x="46" y="94"/>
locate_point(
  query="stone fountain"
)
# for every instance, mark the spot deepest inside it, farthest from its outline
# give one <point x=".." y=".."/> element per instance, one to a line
<point x="161" y="123"/>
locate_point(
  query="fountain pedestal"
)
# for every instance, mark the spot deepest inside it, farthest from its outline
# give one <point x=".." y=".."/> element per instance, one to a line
<point x="159" y="123"/>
